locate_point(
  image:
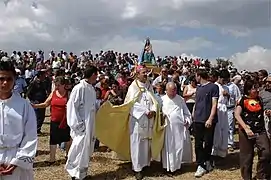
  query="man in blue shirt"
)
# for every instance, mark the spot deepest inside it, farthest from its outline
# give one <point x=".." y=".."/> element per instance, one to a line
<point x="20" y="83"/>
<point x="205" y="119"/>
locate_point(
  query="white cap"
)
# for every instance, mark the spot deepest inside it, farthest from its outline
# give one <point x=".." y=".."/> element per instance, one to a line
<point x="18" y="71"/>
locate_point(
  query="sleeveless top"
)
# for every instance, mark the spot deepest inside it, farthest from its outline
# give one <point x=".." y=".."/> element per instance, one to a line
<point x="58" y="108"/>
<point x="191" y="90"/>
<point x="253" y="113"/>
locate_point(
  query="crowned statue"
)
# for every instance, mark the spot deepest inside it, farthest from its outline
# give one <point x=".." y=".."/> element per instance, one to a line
<point x="148" y="55"/>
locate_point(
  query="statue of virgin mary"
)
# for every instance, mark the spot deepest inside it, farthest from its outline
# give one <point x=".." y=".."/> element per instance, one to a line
<point x="148" y="56"/>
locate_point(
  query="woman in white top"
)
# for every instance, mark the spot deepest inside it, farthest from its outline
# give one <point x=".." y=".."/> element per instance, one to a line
<point x="189" y="93"/>
<point x="56" y="64"/>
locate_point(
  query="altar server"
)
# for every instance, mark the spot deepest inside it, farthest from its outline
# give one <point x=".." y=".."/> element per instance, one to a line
<point x="18" y="129"/>
<point x="81" y="112"/>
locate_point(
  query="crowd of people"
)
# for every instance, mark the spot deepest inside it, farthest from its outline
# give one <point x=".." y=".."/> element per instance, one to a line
<point x="187" y="98"/>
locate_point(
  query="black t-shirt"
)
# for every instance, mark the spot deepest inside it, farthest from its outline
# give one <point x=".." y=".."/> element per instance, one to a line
<point x="253" y="113"/>
<point x="204" y="97"/>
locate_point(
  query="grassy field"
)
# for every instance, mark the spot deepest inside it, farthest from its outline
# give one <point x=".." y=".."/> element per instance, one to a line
<point x="104" y="167"/>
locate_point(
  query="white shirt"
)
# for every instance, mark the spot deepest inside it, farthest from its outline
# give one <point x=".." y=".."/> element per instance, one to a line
<point x="18" y="133"/>
<point x="28" y="74"/>
<point x="235" y="94"/>
<point x="159" y="80"/>
<point x="56" y="64"/>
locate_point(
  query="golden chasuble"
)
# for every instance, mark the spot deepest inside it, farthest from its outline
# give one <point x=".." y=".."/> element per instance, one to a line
<point x="112" y="127"/>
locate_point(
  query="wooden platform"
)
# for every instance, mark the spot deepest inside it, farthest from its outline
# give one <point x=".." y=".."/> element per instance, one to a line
<point x="154" y="67"/>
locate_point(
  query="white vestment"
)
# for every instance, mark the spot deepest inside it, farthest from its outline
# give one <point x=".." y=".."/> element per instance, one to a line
<point x="18" y="137"/>
<point x="140" y="126"/>
<point x="177" y="146"/>
<point x="220" y="147"/>
<point x="81" y="119"/>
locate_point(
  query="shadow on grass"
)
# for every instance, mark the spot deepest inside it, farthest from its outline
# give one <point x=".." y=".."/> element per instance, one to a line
<point x="43" y="134"/>
<point x="102" y="149"/>
<point x="101" y="159"/>
<point x="124" y="170"/>
<point x="230" y="163"/>
<point x="47" y="164"/>
<point x="155" y="170"/>
<point x="42" y="152"/>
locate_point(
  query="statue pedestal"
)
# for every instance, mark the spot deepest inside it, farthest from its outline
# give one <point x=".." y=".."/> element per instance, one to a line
<point x="154" y="67"/>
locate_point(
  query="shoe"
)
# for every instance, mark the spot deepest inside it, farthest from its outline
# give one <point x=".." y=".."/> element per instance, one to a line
<point x="74" y="178"/>
<point x="200" y="172"/>
<point x="209" y="166"/>
<point x="138" y="176"/>
<point x="231" y="149"/>
<point x="170" y="174"/>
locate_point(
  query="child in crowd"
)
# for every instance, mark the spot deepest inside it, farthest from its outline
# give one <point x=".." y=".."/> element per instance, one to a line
<point x="160" y="92"/>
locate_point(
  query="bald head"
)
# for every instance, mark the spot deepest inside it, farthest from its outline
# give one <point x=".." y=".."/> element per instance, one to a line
<point x="171" y="89"/>
<point x="171" y="85"/>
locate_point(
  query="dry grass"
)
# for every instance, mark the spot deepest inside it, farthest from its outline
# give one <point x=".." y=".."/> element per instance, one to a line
<point x="104" y="167"/>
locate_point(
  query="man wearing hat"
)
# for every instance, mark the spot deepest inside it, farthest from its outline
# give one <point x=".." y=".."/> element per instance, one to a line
<point x="20" y="83"/>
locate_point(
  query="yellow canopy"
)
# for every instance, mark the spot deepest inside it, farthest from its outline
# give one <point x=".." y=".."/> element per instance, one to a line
<point x="112" y="128"/>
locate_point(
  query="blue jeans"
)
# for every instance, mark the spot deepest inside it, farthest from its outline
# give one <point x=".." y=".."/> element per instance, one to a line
<point x="231" y="121"/>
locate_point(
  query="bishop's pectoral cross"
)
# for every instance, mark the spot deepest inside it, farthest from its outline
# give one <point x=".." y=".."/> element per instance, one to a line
<point x="146" y="101"/>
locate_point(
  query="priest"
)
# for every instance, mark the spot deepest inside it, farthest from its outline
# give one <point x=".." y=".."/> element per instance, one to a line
<point x="18" y="129"/>
<point x="141" y="121"/>
<point x="177" y="145"/>
<point x="133" y="130"/>
<point x="81" y="112"/>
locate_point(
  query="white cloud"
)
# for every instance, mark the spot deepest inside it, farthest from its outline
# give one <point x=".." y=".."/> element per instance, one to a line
<point x="130" y="11"/>
<point x="190" y="56"/>
<point x="75" y="25"/>
<point x="254" y="59"/>
<point x="236" y="33"/>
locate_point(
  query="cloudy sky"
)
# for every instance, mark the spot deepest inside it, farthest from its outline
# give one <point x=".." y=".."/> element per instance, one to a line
<point x="236" y="29"/>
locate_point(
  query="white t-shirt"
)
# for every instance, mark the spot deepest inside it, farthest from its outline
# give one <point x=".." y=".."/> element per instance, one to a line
<point x="56" y="64"/>
<point x="28" y="74"/>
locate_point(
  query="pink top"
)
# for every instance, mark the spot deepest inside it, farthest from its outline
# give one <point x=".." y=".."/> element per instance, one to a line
<point x="122" y="82"/>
